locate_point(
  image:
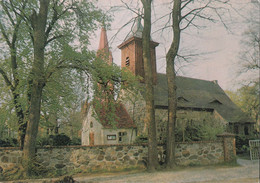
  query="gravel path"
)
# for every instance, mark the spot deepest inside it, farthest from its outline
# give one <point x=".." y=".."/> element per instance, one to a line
<point x="248" y="172"/>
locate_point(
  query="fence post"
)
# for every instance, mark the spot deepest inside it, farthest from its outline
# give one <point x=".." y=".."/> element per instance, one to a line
<point x="229" y="146"/>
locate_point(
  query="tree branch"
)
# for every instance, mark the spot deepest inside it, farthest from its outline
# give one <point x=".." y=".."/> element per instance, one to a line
<point x="7" y="12"/>
<point x="7" y="81"/>
<point x="53" y="38"/>
<point x="5" y="35"/>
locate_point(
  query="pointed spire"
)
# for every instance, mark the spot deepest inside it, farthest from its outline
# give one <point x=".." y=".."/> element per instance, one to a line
<point x="103" y="43"/>
<point x="103" y="48"/>
<point x="137" y="29"/>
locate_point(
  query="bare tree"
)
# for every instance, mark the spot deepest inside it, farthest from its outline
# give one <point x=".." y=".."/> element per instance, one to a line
<point x="250" y="53"/>
<point x="183" y="15"/>
<point x="149" y="92"/>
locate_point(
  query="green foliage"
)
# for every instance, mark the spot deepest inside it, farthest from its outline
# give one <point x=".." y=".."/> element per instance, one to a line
<point x="43" y="141"/>
<point x="108" y="80"/>
<point x="56" y="140"/>
<point x="70" y="25"/>
<point x="8" y="142"/>
<point x="60" y="140"/>
<point x="75" y="141"/>
<point x="247" y="98"/>
<point x="242" y="143"/>
<point x="198" y="126"/>
<point x="141" y="139"/>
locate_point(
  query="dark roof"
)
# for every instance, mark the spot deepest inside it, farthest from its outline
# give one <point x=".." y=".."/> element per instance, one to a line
<point x="200" y="94"/>
<point x="122" y="119"/>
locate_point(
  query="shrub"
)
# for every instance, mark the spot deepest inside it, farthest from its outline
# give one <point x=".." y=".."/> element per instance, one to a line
<point x="8" y="142"/>
<point x="75" y="141"/>
<point x="54" y="140"/>
<point x="43" y="141"/>
<point x="141" y="139"/>
<point x="242" y="143"/>
<point x="60" y="140"/>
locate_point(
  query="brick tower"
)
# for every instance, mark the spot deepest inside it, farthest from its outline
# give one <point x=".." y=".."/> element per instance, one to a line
<point x="103" y="48"/>
<point x="132" y="52"/>
<point x="105" y="55"/>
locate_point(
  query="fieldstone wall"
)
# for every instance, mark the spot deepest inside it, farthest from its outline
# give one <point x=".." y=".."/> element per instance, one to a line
<point x="110" y="157"/>
<point x="199" y="153"/>
<point x="9" y="157"/>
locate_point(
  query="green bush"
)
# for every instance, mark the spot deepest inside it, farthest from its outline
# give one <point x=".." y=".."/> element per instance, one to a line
<point x="54" y="140"/>
<point x="60" y="140"/>
<point x="9" y="142"/>
<point x="141" y="139"/>
<point x="75" y="141"/>
<point x="43" y="141"/>
<point x="242" y="143"/>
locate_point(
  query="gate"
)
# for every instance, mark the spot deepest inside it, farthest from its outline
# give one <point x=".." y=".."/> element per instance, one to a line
<point x="254" y="146"/>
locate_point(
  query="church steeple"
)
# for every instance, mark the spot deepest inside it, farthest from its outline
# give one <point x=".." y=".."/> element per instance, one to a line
<point x="132" y="52"/>
<point x="103" y="48"/>
<point x="137" y="29"/>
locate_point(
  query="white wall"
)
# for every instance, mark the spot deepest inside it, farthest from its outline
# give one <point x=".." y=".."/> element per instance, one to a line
<point x="126" y="139"/>
<point x="96" y="129"/>
<point x="100" y="133"/>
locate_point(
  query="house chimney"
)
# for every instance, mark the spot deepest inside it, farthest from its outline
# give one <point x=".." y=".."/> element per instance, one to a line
<point x="215" y="81"/>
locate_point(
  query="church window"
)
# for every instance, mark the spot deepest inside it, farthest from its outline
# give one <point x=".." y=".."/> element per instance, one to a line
<point x="127" y="62"/>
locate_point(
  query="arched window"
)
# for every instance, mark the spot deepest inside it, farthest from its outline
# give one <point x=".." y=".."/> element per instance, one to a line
<point x="91" y="124"/>
<point x="127" y="61"/>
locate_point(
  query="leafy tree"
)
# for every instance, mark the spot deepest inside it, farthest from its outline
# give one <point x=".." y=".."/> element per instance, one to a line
<point x="198" y="126"/>
<point x="107" y="81"/>
<point x="10" y="26"/>
<point x="42" y="38"/>
<point x="247" y="98"/>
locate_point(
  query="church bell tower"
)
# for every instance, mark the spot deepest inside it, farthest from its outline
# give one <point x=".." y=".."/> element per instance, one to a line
<point x="132" y="52"/>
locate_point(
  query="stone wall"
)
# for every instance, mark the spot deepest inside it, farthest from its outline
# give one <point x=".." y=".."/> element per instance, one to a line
<point x="199" y="153"/>
<point x="110" y="157"/>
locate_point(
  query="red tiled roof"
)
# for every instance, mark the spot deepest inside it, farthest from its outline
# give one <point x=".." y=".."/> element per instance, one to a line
<point x="122" y="119"/>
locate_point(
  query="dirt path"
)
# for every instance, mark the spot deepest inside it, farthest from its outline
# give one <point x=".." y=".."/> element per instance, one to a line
<point x="248" y="172"/>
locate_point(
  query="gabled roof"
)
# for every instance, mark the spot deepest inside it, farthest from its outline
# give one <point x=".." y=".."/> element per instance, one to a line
<point x="201" y="94"/>
<point x="122" y="119"/>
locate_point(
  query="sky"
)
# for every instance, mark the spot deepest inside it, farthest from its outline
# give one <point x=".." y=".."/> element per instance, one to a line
<point x="216" y="47"/>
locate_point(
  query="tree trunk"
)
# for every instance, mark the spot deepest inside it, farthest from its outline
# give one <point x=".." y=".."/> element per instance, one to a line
<point x="21" y="122"/>
<point x="149" y="93"/>
<point x="170" y="72"/>
<point x="37" y="77"/>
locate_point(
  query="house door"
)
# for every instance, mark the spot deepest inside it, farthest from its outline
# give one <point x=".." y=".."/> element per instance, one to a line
<point x="91" y="138"/>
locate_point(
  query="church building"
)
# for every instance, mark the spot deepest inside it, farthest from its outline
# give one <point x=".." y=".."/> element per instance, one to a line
<point x="197" y="100"/>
